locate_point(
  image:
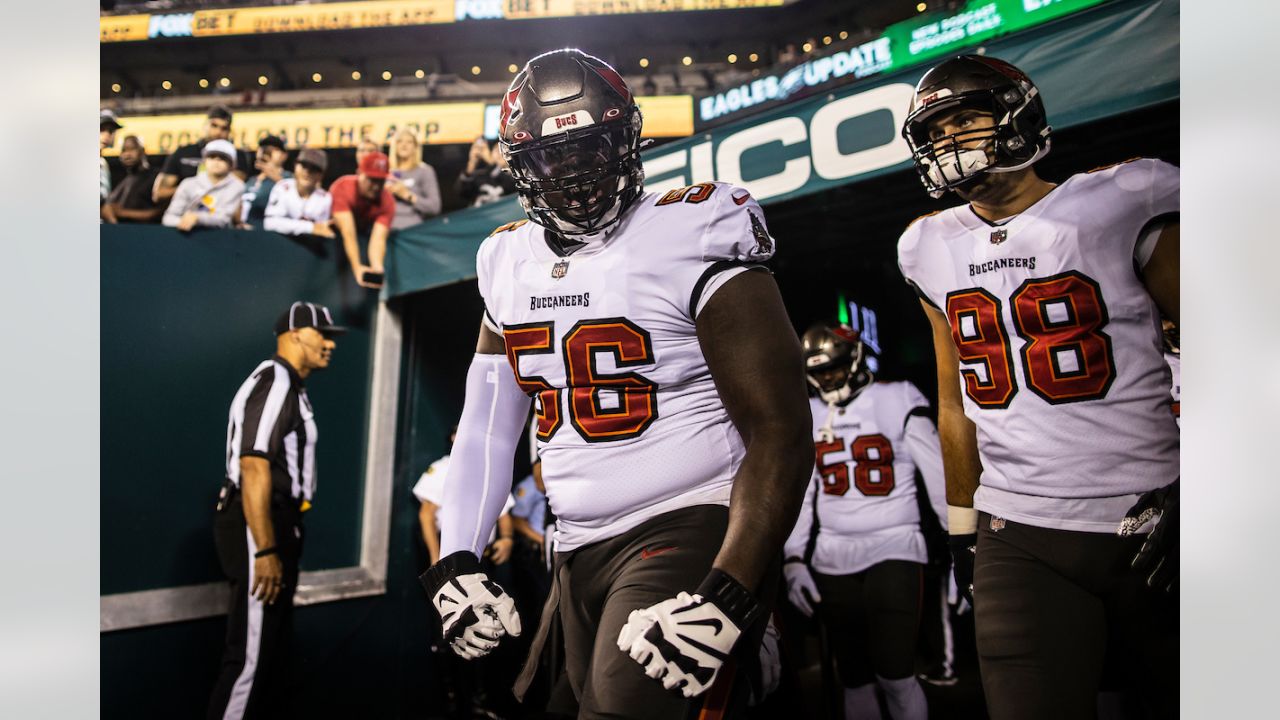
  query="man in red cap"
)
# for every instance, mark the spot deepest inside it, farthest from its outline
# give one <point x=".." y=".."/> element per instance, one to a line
<point x="361" y="204"/>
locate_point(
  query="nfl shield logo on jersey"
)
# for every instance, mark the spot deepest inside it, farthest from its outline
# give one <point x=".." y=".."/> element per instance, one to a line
<point x="560" y="269"/>
<point x="999" y="236"/>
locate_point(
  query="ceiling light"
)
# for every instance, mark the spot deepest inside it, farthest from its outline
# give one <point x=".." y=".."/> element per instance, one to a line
<point x="844" y="34"/>
<point x="921" y="7"/>
<point x="224" y="82"/>
<point x="386" y="74"/>
<point x="204" y="82"/>
<point x="644" y="62"/>
<point x="115" y="87"/>
<point x="316" y="77"/>
<point x="475" y="69"/>
<point x="826" y="40"/>
<point x="166" y="85"/>
<point x="512" y="68"/>
<point x="732" y="58"/>
<point x="807" y="47"/>
<point x="753" y="57"/>
<point x="686" y="60"/>
<point x="419" y="73"/>
<point x="355" y="74"/>
<point x="262" y="80"/>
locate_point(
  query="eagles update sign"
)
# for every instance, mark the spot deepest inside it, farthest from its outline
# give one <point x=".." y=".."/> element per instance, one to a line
<point x="851" y="134"/>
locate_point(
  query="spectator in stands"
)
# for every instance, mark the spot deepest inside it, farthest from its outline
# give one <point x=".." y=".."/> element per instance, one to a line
<point x="210" y="198"/>
<point x="362" y="204"/>
<point x="131" y="201"/>
<point x="107" y="127"/>
<point x="257" y="190"/>
<point x="185" y="162"/>
<point x="412" y="182"/>
<point x="298" y="205"/>
<point x="485" y="178"/>
<point x="365" y="147"/>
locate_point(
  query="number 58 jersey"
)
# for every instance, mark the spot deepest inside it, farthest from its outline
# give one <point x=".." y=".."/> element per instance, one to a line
<point x="628" y="419"/>
<point x="1061" y="363"/>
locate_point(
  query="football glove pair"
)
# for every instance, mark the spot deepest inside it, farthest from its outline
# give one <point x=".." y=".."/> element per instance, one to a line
<point x="1158" y="558"/>
<point x="683" y="642"/>
<point x="475" y="613"/>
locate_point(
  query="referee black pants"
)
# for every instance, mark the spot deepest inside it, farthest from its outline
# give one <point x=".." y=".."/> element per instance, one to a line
<point x="254" y="659"/>
<point x="1057" y="611"/>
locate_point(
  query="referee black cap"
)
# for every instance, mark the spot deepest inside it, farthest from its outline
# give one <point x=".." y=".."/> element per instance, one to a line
<point x="304" y="314"/>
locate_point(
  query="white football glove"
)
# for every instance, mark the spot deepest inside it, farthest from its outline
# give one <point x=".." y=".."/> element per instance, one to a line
<point x="684" y="641"/>
<point x="801" y="589"/>
<point x="475" y="613"/>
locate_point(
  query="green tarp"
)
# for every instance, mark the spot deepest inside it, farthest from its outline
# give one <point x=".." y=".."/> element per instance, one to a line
<point x="1111" y="59"/>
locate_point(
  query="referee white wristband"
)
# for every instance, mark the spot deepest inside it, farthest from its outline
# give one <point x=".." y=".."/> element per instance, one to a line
<point x="962" y="520"/>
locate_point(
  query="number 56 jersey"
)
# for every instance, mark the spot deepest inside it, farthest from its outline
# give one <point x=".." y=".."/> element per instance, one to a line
<point x="628" y="420"/>
<point x="1059" y="345"/>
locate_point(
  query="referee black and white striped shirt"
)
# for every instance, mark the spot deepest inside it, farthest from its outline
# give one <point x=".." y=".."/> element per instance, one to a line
<point x="271" y="418"/>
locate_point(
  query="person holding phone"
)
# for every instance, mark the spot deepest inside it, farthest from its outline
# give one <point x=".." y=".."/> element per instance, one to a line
<point x="362" y="205"/>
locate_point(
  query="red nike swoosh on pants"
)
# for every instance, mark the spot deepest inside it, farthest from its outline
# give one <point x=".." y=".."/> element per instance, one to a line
<point x="646" y="553"/>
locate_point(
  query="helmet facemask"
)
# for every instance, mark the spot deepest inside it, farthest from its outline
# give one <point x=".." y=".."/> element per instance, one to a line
<point x="580" y="182"/>
<point x="1012" y="143"/>
<point x="851" y="378"/>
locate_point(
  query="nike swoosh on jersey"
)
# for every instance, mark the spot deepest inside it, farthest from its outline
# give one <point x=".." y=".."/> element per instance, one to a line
<point x="741" y="199"/>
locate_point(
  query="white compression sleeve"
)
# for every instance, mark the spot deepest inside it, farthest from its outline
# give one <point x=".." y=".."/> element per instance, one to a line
<point x="480" y="465"/>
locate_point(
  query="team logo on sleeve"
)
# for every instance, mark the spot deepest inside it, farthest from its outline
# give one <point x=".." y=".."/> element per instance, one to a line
<point x="764" y="243"/>
<point x="999" y="236"/>
<point x="560" y="269"/>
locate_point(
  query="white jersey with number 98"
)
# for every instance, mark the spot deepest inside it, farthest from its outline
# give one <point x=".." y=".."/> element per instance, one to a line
<point x="1059" y="344"/>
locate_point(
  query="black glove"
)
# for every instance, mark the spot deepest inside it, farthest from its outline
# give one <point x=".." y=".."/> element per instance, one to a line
<point x="963" y="550"/>
<point x="1158" y="558"/>
<point x="937" y="547"/>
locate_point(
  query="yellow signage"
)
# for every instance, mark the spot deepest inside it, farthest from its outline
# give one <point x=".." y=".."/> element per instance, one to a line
<point x="519" y="9"/>
<point x="324" y="16"/>
<point x="441" y="123"/>
<point x="667" y="115"/>
<point x="123" y="28"/>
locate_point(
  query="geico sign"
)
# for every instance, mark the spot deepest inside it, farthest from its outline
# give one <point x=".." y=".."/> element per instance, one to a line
<point x="821" y="133"/>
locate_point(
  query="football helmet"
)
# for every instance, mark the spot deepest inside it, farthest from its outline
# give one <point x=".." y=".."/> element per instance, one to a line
<point x="569" y="129"/>
<point x="1019" y="137"/>
<point x="835" y="362"/>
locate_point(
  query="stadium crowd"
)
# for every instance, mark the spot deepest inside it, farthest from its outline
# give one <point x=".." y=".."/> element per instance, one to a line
<point x="213" y="184"/>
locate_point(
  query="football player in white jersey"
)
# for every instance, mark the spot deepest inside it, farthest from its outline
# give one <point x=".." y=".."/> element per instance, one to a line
<point x="1053" y="406"/>
<point x="670" y="399"/>
<point x="857" y="552"/>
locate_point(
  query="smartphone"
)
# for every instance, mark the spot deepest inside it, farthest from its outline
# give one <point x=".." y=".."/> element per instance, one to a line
<point x="373" y="278"/>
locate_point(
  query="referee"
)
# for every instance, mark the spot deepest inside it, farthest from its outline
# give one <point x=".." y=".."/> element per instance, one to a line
<point x="271" y="443"/>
